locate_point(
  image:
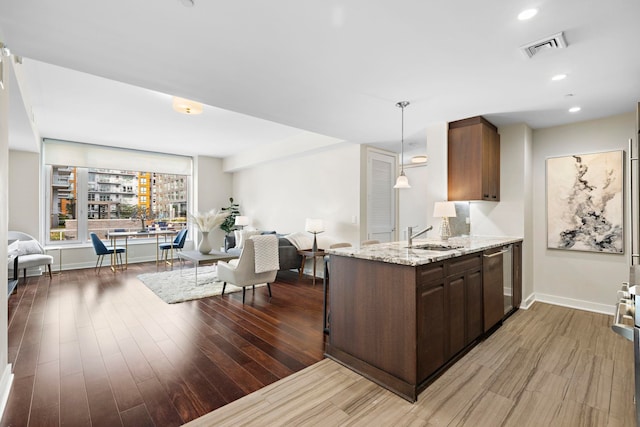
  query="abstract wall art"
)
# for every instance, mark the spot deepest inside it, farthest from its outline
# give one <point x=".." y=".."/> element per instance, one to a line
<point x="585" y="202"/>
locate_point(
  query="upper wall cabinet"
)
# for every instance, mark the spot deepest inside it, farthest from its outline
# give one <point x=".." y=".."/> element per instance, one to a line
<point x="474" y="160"/>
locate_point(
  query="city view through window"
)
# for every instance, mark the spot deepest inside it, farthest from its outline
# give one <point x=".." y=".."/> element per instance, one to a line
<point x="86" y="200"/>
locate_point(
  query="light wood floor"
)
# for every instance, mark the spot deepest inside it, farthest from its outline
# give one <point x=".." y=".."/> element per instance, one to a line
<point x="546" y="366"/>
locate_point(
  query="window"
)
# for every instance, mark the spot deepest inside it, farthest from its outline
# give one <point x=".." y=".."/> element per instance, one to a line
<point x="101" y="197"/>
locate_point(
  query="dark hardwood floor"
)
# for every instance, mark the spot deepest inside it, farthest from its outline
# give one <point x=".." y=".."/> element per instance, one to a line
<point x="103" y="350"/>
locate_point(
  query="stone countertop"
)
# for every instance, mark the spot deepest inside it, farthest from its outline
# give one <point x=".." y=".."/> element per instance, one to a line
<point x="399" y="253"/>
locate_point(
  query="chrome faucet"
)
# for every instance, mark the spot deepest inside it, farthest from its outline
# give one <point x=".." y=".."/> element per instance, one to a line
<point x="410" y="236"/>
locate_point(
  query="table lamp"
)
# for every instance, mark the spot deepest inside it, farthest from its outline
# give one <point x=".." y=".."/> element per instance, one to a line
<point x="444" y="210"/>
<point x="241" y="221"/>
<point x="314" y="226"/>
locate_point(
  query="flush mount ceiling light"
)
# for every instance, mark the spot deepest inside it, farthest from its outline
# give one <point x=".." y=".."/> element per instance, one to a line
<point x="187" y="3"/>
<point x="402" y="181"/>
<point x="186" y="106"/>
<point x="574" y="109"/>
<point x="559" y="77"/>
<point x="527" y="14"/>
<point x="419" y="159"/>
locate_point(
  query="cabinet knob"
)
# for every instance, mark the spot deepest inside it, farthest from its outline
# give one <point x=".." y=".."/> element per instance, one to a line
<point x="486" y="195"/>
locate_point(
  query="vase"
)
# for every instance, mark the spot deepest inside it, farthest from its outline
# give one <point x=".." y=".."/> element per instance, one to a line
<point x="204" y="247"/>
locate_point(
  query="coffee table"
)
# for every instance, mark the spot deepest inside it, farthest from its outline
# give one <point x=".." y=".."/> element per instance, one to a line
<point x="198" y="258"/>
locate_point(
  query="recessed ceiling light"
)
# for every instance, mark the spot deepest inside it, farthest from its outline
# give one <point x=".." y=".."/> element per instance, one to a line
<point x="527" y="14"/>
<point x="574" y="109"/>
<point x="187" y="3"/>
<point x="186" y="106"/>
<point x="558" y="77"/>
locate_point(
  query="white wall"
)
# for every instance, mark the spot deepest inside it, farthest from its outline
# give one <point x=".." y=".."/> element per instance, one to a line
<point x="24" y="193"/>
<point x="212" y="189"/>
<point x="6" y="377"/>
<point x="580" y="279"/>
<point x="281" y="194"/>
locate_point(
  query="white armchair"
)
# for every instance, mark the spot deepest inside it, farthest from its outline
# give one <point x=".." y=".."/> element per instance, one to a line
<point x="258" y="263"/>
<point x="30" y="253"/>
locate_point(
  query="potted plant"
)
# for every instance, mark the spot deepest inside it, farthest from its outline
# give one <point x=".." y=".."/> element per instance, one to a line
<point x="233" y="210"/>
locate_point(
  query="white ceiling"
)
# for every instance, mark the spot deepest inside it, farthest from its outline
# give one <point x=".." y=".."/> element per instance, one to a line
<point x="332" y="67"/>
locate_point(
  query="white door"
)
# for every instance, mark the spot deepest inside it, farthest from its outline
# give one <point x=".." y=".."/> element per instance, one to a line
<point x="381" y="199"/>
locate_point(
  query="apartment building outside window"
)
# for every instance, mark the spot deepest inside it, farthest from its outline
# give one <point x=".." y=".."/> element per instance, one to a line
<point x="82" y="198"/>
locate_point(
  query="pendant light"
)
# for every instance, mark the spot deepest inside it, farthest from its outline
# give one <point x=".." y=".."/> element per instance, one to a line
<point x="402" y="181"/>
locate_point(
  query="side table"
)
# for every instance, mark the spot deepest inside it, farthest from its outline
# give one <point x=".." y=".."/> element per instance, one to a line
<point x="308" y="253"/>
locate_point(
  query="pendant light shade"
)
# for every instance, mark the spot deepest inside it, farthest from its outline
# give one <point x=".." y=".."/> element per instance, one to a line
<point x="402" y="181"/>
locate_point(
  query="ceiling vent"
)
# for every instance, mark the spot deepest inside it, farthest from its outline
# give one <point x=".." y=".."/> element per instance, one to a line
<point x="555" y="41"/>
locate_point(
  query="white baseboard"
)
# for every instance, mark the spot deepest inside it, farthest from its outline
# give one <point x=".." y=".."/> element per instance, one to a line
<point x="5" y="387"/>
<point x="572" y="303"/>
<point x="527" y="302"/>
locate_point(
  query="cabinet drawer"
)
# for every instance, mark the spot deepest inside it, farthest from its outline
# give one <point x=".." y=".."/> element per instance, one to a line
<point x="430" y="272"/>
<point x="458" y="265"/>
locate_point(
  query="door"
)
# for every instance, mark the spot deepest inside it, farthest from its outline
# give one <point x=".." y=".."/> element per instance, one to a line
<point x="381" y="200"/>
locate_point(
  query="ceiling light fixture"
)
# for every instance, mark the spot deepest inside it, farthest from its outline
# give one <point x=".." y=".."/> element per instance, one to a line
<point x="527" y="14"/>
<point x="402" y="181"/>
<point x="187" y="3"/>
<point x="186" y="106"/>
<point x="559" y="77"/>
<point x="419" y="159"/>
<point x="574" y="109"/>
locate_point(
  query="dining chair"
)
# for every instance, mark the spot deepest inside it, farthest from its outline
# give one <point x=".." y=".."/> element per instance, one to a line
<point x="176" y="245"/>
<point x="102" y="250"/>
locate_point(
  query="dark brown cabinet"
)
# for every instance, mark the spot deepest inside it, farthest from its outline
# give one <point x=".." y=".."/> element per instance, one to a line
<point x="473" y="160"/>
<point x="449" y="311"/>
<point x="401" y="325"/>
<point x="432" y="327"/>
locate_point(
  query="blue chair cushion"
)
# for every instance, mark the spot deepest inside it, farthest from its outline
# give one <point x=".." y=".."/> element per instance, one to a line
<point x="167" y="246"/>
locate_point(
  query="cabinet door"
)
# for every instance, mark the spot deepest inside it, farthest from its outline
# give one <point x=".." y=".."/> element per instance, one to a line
<point x="465" y="163"/>
<point x="457" y="319"/>
<point x="490" y="164"/>
<point x="473" y="296"/>
<point x="517" y="274"/>
<point x="432" y="330"/>
<point x="492" y="292"/>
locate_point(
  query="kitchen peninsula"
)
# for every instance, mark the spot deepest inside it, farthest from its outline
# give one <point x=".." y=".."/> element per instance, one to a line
<point x="402" y="315"/>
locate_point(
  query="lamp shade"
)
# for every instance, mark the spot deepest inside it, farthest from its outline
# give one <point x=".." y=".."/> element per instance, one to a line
<point x="402" y="181"/>
<point x="242" y="220"/>
<point x="444" y="210"/>
<point x="314" y="225"/>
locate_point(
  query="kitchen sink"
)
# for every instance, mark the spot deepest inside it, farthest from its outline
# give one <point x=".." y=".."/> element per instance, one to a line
<point x="435" y="247"/>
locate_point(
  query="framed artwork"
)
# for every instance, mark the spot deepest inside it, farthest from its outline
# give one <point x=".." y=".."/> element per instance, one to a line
<point x="585" y="202"/>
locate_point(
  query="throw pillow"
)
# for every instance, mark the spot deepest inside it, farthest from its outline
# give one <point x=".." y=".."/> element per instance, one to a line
<point x="26" y="247"/>
<point x="244" y="235"/>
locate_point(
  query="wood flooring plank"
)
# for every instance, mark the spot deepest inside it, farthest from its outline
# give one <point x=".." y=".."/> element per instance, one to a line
<point x="18" y="407"/>
<point x="74" y="406"/>
<point x="123" y="385"/>
<point x="135" y="359"/>
<point x="46" y="395"/>
<point x="177" y="391"/>
<point x="158" y="404"/>
<point x="137" y="417"/>
<point x="70" y="358"/>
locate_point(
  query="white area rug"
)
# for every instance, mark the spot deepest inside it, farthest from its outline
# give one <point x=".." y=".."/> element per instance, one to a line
<point x="175" y="286"/>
